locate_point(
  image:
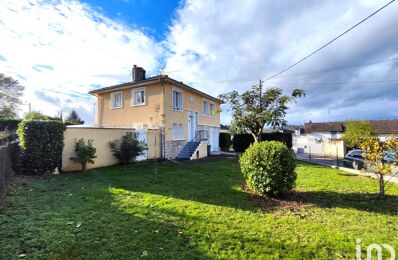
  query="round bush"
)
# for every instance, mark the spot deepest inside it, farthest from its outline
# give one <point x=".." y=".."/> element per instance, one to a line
<point x="269" y="168"/>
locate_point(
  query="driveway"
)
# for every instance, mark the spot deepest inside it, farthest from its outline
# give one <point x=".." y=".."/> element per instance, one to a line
<point x="333" y="162"/>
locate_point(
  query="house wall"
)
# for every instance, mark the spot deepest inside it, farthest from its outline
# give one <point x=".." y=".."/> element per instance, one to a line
<point x="129" y="115"/>
<point x="313" y="144"/>
<point x="181" y="117"/>
<point x="101" y="138"/>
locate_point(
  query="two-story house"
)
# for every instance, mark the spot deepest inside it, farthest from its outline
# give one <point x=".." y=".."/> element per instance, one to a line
<point x="184" y="114"/>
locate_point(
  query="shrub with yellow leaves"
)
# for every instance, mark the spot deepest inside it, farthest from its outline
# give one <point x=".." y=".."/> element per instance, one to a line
<point x="375" y="153"/>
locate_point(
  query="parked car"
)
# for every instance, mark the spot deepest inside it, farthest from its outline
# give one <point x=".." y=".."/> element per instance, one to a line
<point x="354" y="159"/>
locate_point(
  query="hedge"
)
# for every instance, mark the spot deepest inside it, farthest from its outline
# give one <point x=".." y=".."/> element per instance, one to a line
<point x="41" y="145"/>
<point x="224" y="141"/>
<point x="241" y="142"/>
<point x="9" y="124"/>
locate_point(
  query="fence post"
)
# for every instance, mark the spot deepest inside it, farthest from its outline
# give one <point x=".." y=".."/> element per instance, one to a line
<point x="309" y="148"/>
<point x="337" y="155"/>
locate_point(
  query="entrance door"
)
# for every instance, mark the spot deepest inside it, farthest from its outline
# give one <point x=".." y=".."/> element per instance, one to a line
<point x="191" y="125"/>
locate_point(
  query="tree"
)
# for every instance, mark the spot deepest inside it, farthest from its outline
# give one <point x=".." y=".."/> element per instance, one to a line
<point x="356" y="132"/>
<point x="252" y="110"/>
<point x="85" y="152"/>
<point x="375" y="157"/>
<point x="10" y="96"/>
<point x="34" y="115"/>
<point x="74" y="118"/>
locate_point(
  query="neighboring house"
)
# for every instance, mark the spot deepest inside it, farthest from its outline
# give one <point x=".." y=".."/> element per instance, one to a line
<point x="224" y="128"/>
<point x="186" y="116"/>
<point x="325" y="139"/>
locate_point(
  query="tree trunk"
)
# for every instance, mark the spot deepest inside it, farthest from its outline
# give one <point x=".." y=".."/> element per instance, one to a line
<point x="83" y="167"/>
<point x="255" y="137"/>
<point x="381" y="183"/>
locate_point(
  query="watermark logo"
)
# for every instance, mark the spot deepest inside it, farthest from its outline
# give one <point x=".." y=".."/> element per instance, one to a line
<point x="374" y="248"/>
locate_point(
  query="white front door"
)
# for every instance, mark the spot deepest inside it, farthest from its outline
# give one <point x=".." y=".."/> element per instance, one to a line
<point x="191" y="125"/>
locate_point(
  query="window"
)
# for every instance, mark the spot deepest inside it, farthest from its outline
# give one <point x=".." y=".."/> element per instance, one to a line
<point x="177" y="100"/>
<point x="208" y="108"/>
<point x="138" y="97"/>
<point x="212" y="109"/>
<point x="177" y="131"/>
<point x="116" y="100"/>
<point x="205" y="107"/>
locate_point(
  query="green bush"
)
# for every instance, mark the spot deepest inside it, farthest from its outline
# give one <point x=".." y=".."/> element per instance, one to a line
<point x="241" y="142"/>
<point x="269" y="168"/>
<point x="41" y="145"/>
<point x="225" y="141"/>
<point x="127" y="148"/>
<point x="9" y="124"/>
<point x="85" y="152"/>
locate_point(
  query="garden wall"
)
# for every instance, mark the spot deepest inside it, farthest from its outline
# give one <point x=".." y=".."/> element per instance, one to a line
<point x="102" y="137"/>
<point x="6" y="172"/>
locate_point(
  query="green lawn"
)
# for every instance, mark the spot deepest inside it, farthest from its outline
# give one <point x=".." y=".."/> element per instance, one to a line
<point x="193" y="211"/>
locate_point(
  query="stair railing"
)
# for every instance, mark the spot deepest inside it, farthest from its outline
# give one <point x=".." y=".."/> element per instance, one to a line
<point x="200" y="135"/>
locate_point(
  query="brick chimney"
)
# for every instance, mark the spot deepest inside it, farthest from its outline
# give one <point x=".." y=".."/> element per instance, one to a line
<point x="138" y="73"/>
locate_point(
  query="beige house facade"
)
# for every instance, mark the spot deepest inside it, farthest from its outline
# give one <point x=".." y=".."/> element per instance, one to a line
<point x="184" y="115"/>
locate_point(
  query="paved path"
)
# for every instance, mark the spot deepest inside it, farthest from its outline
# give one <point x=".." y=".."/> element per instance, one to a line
<point x="332" y="163"/>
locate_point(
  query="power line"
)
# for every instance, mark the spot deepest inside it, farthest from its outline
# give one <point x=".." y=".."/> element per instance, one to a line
<point x="330" y="42"/>
<point x="303" y="73"/>
<point x="341" y="83"/>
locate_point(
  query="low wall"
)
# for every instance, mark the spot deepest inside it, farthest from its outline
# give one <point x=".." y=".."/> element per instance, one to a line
<point x="101" y="138"/>
<point x="6" y="172"/>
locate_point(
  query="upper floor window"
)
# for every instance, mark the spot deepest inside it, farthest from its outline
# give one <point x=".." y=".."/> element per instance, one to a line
<point x="116" y="100"/>
<point x="205" y="107"/>
<point x="212" y="109"/>
<point x="208" y="108"/>
<point x="138" y="96"/>
<point x="177" y="99"/>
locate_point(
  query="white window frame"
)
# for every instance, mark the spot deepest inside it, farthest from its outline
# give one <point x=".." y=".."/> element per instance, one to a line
<point x="209" y="112"/>
<point x="133" y="100"/>
<point x="212" y="112"/>
<point x="113" y="98"/>
<point x="181" y="108"/>
<point x="180" y="133"/>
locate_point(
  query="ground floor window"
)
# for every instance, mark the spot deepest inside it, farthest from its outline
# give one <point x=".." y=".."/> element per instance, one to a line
<point x="177" y="131"/>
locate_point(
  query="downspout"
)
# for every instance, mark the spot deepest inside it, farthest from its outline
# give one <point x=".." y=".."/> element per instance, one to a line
<point x="162" y="131"/>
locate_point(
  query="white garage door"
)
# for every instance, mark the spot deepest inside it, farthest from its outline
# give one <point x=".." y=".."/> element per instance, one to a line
<point x="214" y="133"/>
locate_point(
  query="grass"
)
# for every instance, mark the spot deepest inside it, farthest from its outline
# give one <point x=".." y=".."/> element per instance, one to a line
<point x="193" y="211"/>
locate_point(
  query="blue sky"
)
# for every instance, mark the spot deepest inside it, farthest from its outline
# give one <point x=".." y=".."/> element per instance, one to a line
<point x="152" y="16"/>
<point x="61" y="49"/>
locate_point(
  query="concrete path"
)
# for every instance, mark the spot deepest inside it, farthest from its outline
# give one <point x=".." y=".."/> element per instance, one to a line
<point x="332" y="163"/>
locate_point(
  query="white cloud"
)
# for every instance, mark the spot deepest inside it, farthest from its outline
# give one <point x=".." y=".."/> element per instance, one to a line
<point x="61" y="49"/>
<point x="64" y="48"/>
<point x="217" y="40"/>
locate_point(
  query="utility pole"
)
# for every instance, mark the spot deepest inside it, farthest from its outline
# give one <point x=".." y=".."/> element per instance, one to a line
<point x="329" y="114"/>
<point x="261" y="92"/>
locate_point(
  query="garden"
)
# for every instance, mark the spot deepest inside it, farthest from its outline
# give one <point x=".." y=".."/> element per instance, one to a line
<point x="193" y="210"/>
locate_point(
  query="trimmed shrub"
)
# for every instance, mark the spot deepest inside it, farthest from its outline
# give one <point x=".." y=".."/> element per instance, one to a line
<point x="269" y="168"/>
<point x="41" y="145"/>
<point x="242" y="141"/>
<point x="9" y="124"/>
<point x="224" y="141"/>
<point x="127" y="148"/>
<point x="85" y="152"/>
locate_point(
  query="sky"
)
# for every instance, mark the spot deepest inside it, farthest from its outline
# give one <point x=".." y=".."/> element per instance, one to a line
<point x="60" y="50"/>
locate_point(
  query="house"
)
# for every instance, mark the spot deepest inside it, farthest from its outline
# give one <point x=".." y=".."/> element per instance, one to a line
<point x="185" y="115"/>
<point x="224" y="128"/>
<point x="325" y="138"/>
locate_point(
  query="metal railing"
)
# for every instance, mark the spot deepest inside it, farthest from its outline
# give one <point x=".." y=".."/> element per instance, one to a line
<point x="200" y="135"/>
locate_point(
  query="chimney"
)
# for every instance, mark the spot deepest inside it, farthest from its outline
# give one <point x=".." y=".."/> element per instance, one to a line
<point x="138" y="73"/>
